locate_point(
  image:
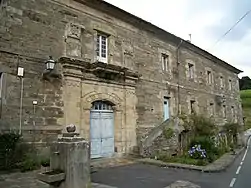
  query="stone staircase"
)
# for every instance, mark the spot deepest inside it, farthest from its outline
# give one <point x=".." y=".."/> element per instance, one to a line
<point x="156" y="132"/>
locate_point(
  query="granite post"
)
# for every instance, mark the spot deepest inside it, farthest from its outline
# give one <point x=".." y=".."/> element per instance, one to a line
<point x="71" y="155"/>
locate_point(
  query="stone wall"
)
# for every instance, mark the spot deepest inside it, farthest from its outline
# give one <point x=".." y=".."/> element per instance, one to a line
<point x="33" y="30"/>
<point x="162" y="144"/>
<point x="41" y="122"/>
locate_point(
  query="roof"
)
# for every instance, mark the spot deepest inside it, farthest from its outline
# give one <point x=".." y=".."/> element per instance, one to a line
<point x="149" y="27"/>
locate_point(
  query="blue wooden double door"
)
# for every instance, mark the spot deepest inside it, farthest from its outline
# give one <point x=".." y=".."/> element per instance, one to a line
<point x="102" y="130"/>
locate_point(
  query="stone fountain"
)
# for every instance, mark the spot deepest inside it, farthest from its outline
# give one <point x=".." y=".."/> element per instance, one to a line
<point x="69" y="162"/>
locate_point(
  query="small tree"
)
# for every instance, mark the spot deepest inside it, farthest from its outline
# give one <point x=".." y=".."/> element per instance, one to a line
<point x="199" y="125"/>
<point x="232" y="130"/>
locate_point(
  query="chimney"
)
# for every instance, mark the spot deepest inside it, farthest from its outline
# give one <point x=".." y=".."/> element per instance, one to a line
<point x="190" y="38"/>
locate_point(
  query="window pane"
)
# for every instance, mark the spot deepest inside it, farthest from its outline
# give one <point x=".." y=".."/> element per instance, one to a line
<point x="98" y="45"/>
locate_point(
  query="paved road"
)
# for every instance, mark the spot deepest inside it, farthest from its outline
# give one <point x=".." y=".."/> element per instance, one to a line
<point x="242" y="175"/>
<point x="146" y="176"/>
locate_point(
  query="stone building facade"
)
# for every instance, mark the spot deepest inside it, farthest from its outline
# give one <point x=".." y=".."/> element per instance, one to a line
<point x="116" y="75"/>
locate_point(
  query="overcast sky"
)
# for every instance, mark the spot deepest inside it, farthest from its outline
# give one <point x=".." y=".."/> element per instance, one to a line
<point x="206" y="20"/>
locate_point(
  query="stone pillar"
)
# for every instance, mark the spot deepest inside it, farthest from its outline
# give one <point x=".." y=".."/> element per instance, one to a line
<point x="71" y="155"/>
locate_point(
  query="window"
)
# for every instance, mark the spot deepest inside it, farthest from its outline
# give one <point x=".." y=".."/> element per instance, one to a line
<point x="2" y="3"/>
<point x="102" y="48"/>
<point x="233" y="113"/>
<point x="191" y="71"/>
<point x="102" y="105"/>
<point x="165" y="62"/>
<point x="211" y="109"/>
<point x="1" y="84"/>
<point x="224" y="111"/>
<point x="192" y="106"/>
<point x="209" y="77"/>
<point x="221" y="82"/>
<point x="1" y="91"/>
<point x="230" y="84"/>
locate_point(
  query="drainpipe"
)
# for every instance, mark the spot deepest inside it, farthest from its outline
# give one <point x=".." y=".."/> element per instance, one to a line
<point x="178" y="76"/>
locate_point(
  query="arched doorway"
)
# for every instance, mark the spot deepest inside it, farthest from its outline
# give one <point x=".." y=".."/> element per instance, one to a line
<point x="102" y="129"/>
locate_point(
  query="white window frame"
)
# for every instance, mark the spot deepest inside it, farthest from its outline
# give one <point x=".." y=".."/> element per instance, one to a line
<point x="1" y="84"/>
<point x="99" y="48"/>
<point x="192" y="107"/>
<point x="191" y="71"/>
<point x="165" y="62"/>
<point x="221" y="82"/>
<point x="232" y="111"/>
<point x="211" y="109"/>
<point x="224" y="111"/>
<point x="209" y="77"/>
<point x="230" y="86"/>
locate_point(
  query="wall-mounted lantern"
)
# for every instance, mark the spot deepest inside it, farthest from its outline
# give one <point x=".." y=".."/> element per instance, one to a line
<point x="51" y="73"/>
<point x="50" y="64"/>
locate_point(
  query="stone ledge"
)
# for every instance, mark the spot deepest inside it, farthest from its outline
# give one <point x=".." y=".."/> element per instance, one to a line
<point x="217" y="166"/>
<point x="180" y="184"/>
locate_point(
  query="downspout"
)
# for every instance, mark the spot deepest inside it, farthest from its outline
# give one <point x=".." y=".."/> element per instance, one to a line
<point x="178" y="93"/>
<point x="178" y="76"/>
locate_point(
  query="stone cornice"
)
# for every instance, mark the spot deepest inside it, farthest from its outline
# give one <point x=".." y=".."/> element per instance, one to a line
<point x="98" y="71"/>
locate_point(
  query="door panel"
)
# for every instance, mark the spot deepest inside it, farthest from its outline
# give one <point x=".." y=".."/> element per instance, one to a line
<point x="166" y="109"/>
<point x="107" y="134"/>
<point x="102" y="134"/>
<point x="95" y="135"/>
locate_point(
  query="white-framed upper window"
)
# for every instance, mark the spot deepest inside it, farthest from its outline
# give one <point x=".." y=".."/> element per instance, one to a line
<point x="211" y="108"/>
<point x="165" y="62"/>
<point x="192" y="106"/>
<point x="233" y="113"/>
<point x="1" y="84"/>
<point x="221" y="82"/>
<point x="230" y="84"/>
<point x="224" y="111"/>
<point x="190" y="71"/>
<point x="102" y="48"/>
<point x="209" y="77"/>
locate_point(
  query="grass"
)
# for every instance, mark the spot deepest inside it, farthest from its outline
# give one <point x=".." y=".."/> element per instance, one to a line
<point x="183" y="160"/>
<point x="246" y="105"/>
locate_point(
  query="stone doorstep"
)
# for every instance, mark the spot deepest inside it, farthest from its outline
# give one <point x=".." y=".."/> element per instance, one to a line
<point x="217" y="166"/>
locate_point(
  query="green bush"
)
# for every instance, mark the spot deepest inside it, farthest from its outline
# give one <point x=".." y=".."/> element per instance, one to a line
<point x="199" y="125"/>
<point x="45" y="162"/>
<point x="30" y="162"/>
<point x="168" y="133"/>
<point x="185" y="159"/>
<point x="207" y="143"/>
<point x="8" y="146"/>
<point x="17" y="155"/>
<point x="246" y="104"/>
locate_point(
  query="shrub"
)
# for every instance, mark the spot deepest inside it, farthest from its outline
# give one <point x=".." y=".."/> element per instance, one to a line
<point x="185" y="159"/>
<point x="8" y="145"/>
<point x="205" y="142"/>
<point x="199" y="125"/>
<point x="208" y="144"/>
<point x="168" y="133"/>
<point x="30" y="162"/>
<point x="14" y="154"/>
<point x="196" y="152"/>
<point x="45" y="162"/>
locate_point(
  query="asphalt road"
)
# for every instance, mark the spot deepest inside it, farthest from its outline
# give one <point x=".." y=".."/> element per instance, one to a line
<point x="146" y="176"/>
<point x="242" y="175"/>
